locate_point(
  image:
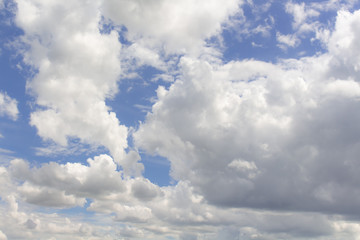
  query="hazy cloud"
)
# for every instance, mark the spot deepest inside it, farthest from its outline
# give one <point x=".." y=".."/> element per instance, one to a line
<point x="8" y="106"/>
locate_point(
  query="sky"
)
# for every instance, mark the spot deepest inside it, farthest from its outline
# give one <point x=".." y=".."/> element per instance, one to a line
<point x="179" y="120"/>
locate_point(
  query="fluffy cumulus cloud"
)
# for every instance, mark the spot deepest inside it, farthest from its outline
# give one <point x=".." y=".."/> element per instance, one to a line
<point x="78" y="67"/>
<point x="20" y="224"/>
<point x="257" y="150"/>
<point x="8" y="106"/>
<point x="77" y="70"/>
<point x="260" y="135"/>
<point x="67" y="185"/>
<point x="179" y="26"/>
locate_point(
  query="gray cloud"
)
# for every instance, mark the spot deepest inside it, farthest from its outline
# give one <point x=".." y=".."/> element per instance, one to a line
<point x="259" y="135"/>
<point x="66" y="185"/>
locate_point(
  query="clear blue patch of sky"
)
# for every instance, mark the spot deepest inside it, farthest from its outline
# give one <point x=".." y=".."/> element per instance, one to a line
<point x="133" y="100"/>
<point x="241" y="45"/>
<point x="131" y="105"/>
<point x="157" y="169"/>
<point x="77" y="211"/>
<point x="19" y="136"/>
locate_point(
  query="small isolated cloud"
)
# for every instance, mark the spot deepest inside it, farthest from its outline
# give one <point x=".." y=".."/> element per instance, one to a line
<point x="287" y="41"/>
<point x="254" y="44"/>
<point x="301" y="13"/>
<point x="8" y="106"/>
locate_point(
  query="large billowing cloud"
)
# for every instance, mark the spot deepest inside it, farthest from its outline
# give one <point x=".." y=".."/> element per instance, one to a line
<point x="77" y="70"/>
<point x="260" y="135"/>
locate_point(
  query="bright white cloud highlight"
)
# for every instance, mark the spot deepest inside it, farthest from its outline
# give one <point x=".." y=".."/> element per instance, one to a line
<point x="78" y="69"/>
<point x="68" y="185"/>
<point x="182" y="26"/>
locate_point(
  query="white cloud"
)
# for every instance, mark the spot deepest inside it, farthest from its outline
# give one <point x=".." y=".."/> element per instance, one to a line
<point x="286" y="41"/>
<point x="2" y="236"/>
<point x="333" y="5"/>
<point x="5" y="181"/>
<point x="241" y="137"/>
<point x="78" y="69"/>
<point x="8" y="106"/>
<point x="17" y="223"/>
<point x="306" y="18"/>
<point x="295" y="120"/>
<point x="181" y="25"/>
<point x="64" y="185"/>
<point x="343" y="44"/>
<point x="244" y="166"/>
<point x="343" y="88"/>
<point x="173" y="211"/>
<point x="300" y="13"/>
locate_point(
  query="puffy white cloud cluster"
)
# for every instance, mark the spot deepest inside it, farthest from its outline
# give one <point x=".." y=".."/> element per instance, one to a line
<point x="77" y="70"/>
<point x="67" y="185"/>
<point x="8" y="106"/>
<point x="148" y="211"/>
<point x="158" y="32"/>
<point x="21" y="221"/>
<point x="259" y="150"/>
<point x="261" y="135"/>
<point x="176" y="26"/>
<point x="142" y="209"/>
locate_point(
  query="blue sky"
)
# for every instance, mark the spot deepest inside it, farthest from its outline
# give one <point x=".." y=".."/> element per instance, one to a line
<point x="184" y="120"/>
